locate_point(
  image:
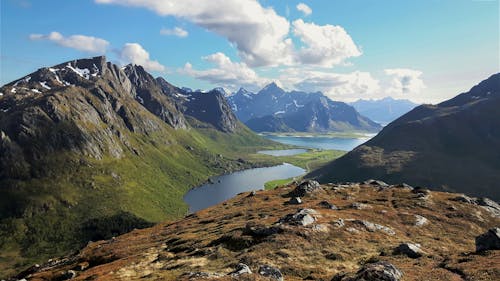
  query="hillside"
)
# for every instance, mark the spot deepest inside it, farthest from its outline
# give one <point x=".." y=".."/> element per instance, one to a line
<point x="274" y="110"/>
<point x="453" y="146"/>
<point x="368" y="231"/>
<point x="383" y="110"/>
<point x="93" y="150"/>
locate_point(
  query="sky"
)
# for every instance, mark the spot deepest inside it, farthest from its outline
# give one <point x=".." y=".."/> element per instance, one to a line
<point x="423" y="50"/>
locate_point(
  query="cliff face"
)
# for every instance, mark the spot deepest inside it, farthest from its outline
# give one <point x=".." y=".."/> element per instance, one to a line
<point x="210" y="108"/>
<point x="94" y="150"/>
<point x="451" y="146"/>
<point x="367" y="231"/>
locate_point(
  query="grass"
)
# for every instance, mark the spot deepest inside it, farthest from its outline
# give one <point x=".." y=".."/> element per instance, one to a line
<point x="310" y="160"/>
<point x="133" y="191"/>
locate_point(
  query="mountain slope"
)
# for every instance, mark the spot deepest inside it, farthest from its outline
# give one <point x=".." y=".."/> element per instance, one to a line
<point x="273" y="109"/>
<point x="383" y="110"/>
<point x="337" y="230"/>
<point x="454" y="145"/>
<point x="94" y="150"/>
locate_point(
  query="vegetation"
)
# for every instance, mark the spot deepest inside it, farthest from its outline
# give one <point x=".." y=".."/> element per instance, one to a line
<point x="310" y="160"/>
<point x="77" y="193"/>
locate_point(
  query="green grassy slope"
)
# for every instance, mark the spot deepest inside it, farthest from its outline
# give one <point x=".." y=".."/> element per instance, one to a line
<point x="82" y="199"/>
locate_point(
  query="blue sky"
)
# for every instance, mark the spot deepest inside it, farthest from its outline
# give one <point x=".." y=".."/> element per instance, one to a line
<point x="424" y="50"/>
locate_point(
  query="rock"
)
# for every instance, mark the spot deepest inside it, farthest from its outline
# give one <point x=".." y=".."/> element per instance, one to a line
<point x="404" y="186"/>
<point x="320" y="228"/>
<point x="489" y="205"/>
<point x="261" y="230"/>
<point x="328" y="205"/>
<point x="420" y="220"/>
<point x="376" y="183"/>
<point x="379" y="271"/>
<point x="199" y="274"/>
<point x="241" y="268"/>
<point x="489" y="240"/>
<point x="295" y="201"/>
<point x="271" y="272"/>
<point x="466" y="199"/>
<point x="252" y="193"/>
<point x="372" y="227"/>
<point x="303" y="217"/>
<point x="409" y="249"/>
<point x="360" y="206"/>
<point x="70" y="274"/>
<point x="306" y="187"/>
<point x="338" y="223"/>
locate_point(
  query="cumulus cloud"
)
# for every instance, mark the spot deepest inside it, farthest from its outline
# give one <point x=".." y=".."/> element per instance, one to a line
<point x="306" y="10"/>
<point x="83" y="43"/>
<point x="404" y="81"/>
<point x="337" y="86"/>
<point x="259" y="34"/>
<point x="176" y="31"/>
<point x="134" y="53"/>
<point x="226" y="73"/>
<point x="326" y="45"/>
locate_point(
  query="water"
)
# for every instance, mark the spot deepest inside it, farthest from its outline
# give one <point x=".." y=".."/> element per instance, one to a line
<point x="227" y="186"/>
<point x="323" y="142"/>
<point x="284" y="152"/>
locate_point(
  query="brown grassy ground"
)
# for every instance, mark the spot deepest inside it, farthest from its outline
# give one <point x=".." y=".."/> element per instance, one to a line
<point x="214" y="240"/>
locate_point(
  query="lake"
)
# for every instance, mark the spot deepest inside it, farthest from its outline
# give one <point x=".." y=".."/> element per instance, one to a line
<point x="320" y="142"/>
<point x="227" y="186"/>
<point x="283" y="152"/>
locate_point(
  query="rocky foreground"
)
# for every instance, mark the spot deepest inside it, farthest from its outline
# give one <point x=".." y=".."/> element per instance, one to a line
<point x="307" y="231"/>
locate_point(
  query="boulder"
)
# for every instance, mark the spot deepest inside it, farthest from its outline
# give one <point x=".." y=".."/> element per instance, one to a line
<point x="489" y="205"/>
<point x="372" y="227"/>
<point x="328" y="205"/>
<point x="420" y="220"/>
<point x="305" y="188"/>
<point x="261" y="230"/>
<point x="379" y="271"/>
<point x="404" y="186"/>
<point x="489" y="240"/>
<point x="376" y="183"/>
<point x="409" y="249"/>
<point x="360" y="206"/>
<point x="303" y="217"/>
<point x="295" y="201"/>
<point x="271" y="272"/>
<point x="241" y="268"/>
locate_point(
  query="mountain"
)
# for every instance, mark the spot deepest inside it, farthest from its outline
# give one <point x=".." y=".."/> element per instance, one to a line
<point x="383" y="110"/>
<point x="452" y="146"/>
<point x="211" y="107"/>
<point x="340" y="232"/>
<point x="93" y="150"/>
<point x="274" y="110"/>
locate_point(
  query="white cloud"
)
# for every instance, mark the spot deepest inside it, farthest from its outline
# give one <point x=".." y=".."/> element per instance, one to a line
<point x="304" y="9"/>
<point x="326" y="45"/>
<point x="337" y="86"/>
<point x="404" y="81"/>
<point x="176" y="31"/>
<point x="259" y="34"/>
<point x="227" y="74"/>
<point x="134" y="53"/>
<point x="83" y="43"/>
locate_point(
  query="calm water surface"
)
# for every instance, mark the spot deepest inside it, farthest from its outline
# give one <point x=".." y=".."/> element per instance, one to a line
<point x="346" y="144"/>
<point x="283" y="152"/>
<point x="227" y="186"/>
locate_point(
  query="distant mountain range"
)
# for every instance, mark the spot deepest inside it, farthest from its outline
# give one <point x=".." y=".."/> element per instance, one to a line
<point x="383" y="110"/>
<point x="453" y="146"/>
<point x="273" y="109"/>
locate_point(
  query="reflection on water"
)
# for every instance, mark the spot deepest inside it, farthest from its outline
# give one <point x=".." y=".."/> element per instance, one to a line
<point x="228" y="186"/>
